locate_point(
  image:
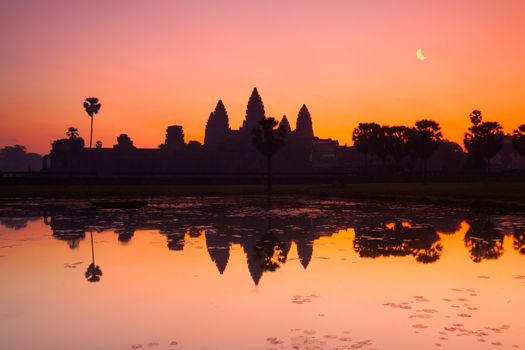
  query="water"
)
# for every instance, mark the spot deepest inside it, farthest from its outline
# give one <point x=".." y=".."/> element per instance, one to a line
<point x="248" y="273"/>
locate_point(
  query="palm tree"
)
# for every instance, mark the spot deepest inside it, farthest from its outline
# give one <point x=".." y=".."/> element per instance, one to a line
<point x="397" y="142"/>
<point x="92" y="106"/>
<point x="424" y="139"/>
<point x="366" y="138"/>
<point x="483" y="139"/>
<point x="93" y="271"/>
<point x="268" y="140"/>
<point x="72" y="132"/>
<point x="519" y="139"/>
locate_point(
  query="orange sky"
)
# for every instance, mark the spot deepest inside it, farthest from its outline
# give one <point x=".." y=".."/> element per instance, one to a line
<point x="158" y="63"/>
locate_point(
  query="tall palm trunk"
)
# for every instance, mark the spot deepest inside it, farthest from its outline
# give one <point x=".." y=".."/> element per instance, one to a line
<point x="91" y="133"/>
<point x="425" y="170"/>
<point x="269" y="174"/>
<point x="92" y="248"/>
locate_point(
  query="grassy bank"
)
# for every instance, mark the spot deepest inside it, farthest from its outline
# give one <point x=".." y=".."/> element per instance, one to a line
<point x="493" y="193"/>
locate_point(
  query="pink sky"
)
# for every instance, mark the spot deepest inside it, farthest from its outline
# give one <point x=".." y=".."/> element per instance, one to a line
<point x="158" y="63"/>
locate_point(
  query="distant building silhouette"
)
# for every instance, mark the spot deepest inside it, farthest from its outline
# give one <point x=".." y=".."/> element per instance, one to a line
<point x="174" y="138"/>
<point x="254" y="113"/>
<point x="231" y="152"/>
<point x="304" y="128"/>
<point x="224" y="150"/>
<point x="217" y="128"/>
<point x="285" y="124"/>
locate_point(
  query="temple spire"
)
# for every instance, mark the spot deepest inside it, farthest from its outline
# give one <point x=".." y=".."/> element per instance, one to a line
<point x="304" y="127"/>
<point x="286" y="125"/>
<point x="254" y="112"/>
<point x="217" y="127"/>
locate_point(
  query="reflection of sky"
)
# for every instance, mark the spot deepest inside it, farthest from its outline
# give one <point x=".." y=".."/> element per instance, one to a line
<point x="150" y="294"/>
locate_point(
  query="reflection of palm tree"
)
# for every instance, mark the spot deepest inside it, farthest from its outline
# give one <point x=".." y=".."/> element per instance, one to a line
<point x="93" y="271"/>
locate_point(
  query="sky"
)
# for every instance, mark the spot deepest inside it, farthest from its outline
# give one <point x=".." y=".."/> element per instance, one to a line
<point x="159" y="63"/>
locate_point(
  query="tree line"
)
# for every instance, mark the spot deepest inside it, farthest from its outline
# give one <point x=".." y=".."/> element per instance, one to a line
<point x="483" y="140"/>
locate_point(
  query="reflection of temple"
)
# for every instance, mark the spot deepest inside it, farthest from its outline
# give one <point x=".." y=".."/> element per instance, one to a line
<point x="224" y="150"/>
<point x="266" y="242"/>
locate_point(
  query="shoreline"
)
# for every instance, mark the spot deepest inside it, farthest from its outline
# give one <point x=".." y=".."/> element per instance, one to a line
<point x="494" y="196"/>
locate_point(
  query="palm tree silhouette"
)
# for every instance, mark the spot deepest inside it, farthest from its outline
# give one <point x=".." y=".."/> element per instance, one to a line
<point x="518" y="141"/>
<point x="93" y="271"/>
<point x="92" y="106"/>
<point x="72" y="132"/>
<point x="268" y="140"/>
<point x="424" y="138"/>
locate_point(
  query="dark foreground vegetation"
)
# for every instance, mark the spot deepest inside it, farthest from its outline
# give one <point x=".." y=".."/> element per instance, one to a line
<point x="497" y="195"/>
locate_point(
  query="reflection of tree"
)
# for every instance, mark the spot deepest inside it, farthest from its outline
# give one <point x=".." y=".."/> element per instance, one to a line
<point x="519" y="241"/>
<point x="93" y="271"/>
<point x="483" y="240"/>
<point x="125" y="234"/>
<point x="228" y="222"/>
<point x="422" y="242"/>
<point x="15" y="223"/>
<point x="268" y="253"/>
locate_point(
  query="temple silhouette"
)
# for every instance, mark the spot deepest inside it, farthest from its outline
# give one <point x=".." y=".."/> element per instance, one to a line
<point x="224" y="150"/>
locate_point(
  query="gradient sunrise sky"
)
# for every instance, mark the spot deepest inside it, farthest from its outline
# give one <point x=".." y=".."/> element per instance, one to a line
<point x="158" y="63"/>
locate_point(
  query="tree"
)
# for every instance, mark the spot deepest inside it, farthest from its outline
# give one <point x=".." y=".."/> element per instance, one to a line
<point x="16" y="158"/>
<point x="483" y="139"/>
<point x="424" y="139"/>
<point x="397" y="142"/>
<point x="72" y="133"/>
<point x="381" y="146"/>
<point x="92" y="106"/>
<point x="365" y="138"/>
<point x="518" y="141"/>
<point x="268" y="140"/>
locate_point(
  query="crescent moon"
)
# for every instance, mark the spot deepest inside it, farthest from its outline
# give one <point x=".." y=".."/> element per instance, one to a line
<point x="419" y="55"/>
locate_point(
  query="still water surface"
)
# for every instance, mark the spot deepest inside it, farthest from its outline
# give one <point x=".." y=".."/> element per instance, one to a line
<point x="248" y="273"/>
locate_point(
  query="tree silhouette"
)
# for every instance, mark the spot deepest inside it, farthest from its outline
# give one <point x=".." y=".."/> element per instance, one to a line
<point x="366" y="137"/>
<point x="397" y="142"/>
<point x="72" y="132"/>
<point x="93" y="271"/>
<point x="268" y="140"/>
<point x="518" y="139"/>
<point x="92" y="106"/>
<point x="475" y="117"/>
<point x="424" y="139"/>
<point x="16" y="158"/>
<point x="483" y="139"/>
